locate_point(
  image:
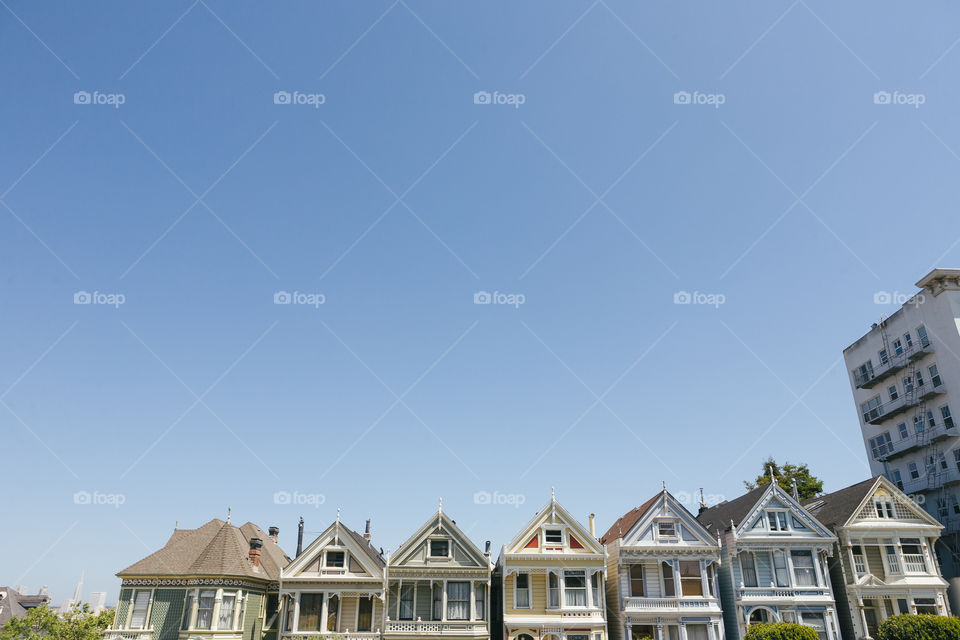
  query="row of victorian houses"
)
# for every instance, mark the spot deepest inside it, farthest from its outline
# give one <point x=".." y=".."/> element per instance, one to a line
<point x="840" y="563"/>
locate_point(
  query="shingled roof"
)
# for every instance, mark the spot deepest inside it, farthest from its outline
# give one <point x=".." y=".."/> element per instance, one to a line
<point x="834" y="509"/>
<point x="625" y="522"/>
<point x="717" y="519"/>
<point x="217" y="548"/>
<point x="366" y="546"/>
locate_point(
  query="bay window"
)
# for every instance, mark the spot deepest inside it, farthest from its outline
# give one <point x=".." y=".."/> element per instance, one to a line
<point x="365" y="614"/>
<point x="138" y="615"/>
<point x="333" y="608"/>
<point x="227" y="605"/>
<point x="780" y="569"/>
<point x="669" y="588"/>
<point x="553" y="590"/>
<point x="205" y="609"/>
<point x="311" y="609"/>
<point x="437" y="601"/>
<point x="595" y="587"/>
<point x="804" y="574"/>
<point x="691" y="582"/>
<point x="575" y="588"/>
<point x="458" y="601"/>
<point x="748" y="569"/>
<point x="480" y="601"/>
<point x="406" y="603"/>
<point x="636" y="580"/>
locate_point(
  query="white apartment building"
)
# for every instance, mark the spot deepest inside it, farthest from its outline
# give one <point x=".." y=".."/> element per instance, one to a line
<point x="905" y="375"/>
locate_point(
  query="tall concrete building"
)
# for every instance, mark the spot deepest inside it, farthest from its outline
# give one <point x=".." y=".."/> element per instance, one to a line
<point x="905" y="374"/>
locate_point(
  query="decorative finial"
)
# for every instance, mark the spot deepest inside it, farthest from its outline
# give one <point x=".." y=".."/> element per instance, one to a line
<point x="553" y="493"/>
<point x="440" y="505"/>
<point x="338" y="515"/>
<point x="228" y="514"/>
<point x="664" y="482"/>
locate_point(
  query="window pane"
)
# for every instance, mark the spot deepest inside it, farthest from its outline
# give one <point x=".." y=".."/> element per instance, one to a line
<point x="636" y="580"/>
<point x="439" y="548"/>
<point x="205" y="610"/>
<point x="458" y="600"/>
<point x="311" y="605"/>
<point x="225" y="619"/>
<point x="364" y="614"/>
<point x="406" y="602"/>
<point x="138" y="619"/>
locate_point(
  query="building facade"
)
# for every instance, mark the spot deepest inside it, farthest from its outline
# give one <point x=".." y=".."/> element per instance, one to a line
<point x="904" y="375"/>
<point x="662" y="574"/>
<point x="217" y="582"/>
<point x="438" y="584"/>
<point x="550" y="580"/>
<point x="334" y="588"/>
<point x="883" y="562"/>
<point x="773" y="563"/>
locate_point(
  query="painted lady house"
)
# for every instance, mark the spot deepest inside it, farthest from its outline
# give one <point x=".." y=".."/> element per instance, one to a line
<point x="550" y="580"/>
<point x="334" y="588"/>
<point x="438" y="585"/>
<point x="884" y="561"/>
<point x="773" y="562"/>
<point x="662" y="574"/>
<point x="216" y="582"/>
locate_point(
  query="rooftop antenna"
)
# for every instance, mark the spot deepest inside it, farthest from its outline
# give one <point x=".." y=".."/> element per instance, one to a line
<point x="664" y="483"/>
<point x="703" y="503"/>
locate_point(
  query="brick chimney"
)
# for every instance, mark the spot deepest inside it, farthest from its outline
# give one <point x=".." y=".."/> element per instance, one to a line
<point x="366" y="533"/>
<point x="254" y="555"/>
<point x="274" y="532"/>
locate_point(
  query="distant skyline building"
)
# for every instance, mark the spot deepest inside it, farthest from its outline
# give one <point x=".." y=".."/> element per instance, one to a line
<point x="904" y="373"/>
<point x="98" y="601"/>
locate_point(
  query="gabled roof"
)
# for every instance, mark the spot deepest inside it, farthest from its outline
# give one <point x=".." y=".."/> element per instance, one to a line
<point x="834" y="509"/>
<point x="717" y="519"/>
<point x="625" y="522"/>
<point x="13" y="603"/>
<point x="439" y="520"/>
<point x="372" y="559"/>
<point x="555" y="510"/>
<point x="217" y="548"/>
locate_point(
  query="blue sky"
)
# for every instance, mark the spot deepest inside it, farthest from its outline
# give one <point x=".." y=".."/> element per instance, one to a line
<point x="398" y="199"/>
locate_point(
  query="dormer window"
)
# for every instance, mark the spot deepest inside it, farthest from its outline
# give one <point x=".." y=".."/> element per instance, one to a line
<point x="777" y="520"/>
<point x="335" y="559"/>
<point x="553" y="537"/>
<point x="439" y="548"/>
<point x="667" y="529"/>
<point x="884" y="508"/>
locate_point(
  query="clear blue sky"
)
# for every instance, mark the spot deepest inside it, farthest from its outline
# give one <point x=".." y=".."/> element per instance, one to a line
<point x="398" y="199"/>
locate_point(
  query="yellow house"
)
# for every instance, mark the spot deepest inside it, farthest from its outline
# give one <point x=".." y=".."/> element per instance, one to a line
<point x="552" y="580"/>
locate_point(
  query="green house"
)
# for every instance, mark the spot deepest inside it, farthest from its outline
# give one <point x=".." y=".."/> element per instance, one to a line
<point x="216" y="582"/>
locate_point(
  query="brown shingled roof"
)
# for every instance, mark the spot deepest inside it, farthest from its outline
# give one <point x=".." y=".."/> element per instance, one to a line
<point x="834" y="509"/>
<point x="625" y="522"/>
<point x="217" y="548"/>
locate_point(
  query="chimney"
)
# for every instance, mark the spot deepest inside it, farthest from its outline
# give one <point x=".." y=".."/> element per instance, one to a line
<point x="486" y="549"/>
<point x="366" y="532"/>
<point x="703" y="504"/>
<point x="300" y="538"/>
<point x="796" y="492"/>
<point x="274" y="532"/>
<point x="254" y="554"/>
<point x="593" y="526"/>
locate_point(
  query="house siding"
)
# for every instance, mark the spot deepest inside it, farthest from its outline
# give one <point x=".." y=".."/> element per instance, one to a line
<point x="166" y="613"/>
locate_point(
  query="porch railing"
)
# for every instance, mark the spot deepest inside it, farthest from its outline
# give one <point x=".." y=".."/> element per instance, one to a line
<point x="780" y="592"/>
<point x="668" y="604"/>
<point x="128" y="634"/>
<point x="429" y="627"/>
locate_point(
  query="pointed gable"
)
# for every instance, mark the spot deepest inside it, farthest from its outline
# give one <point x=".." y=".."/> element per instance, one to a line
<point x="876" y="499"/>
<point x="553" y="529"/>
<point x="439" y="535"/>
<point x="764" y="512"/>
<point x="662" y="520"/>
<point x="339" y="552"/>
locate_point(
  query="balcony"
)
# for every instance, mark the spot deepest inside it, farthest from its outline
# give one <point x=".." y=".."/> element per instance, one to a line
<point x="347" y="635"/>
<point x="932" y="434"/>
<point x="934" y="480"/>
<point x="778" y="593"/>
<point x="436" y="627"/>
<point x="637" y="605"/>
<point x="906" y="401"/>
<point x="128" y="634"/>
<point x="893" y="365"/>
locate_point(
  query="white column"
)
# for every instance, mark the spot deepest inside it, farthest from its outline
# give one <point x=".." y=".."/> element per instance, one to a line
<point x="217" y="601"/>
<point x="194" y="607"/>
<point x="677" y="588"/>
<point x="704" y="581"/>
<point x="560" y="584"/>
<point x="589" y="582"/>
<point x="473" y="600"/>
<point x="443" y="613"/>
<point x="629" y="635"/>
<point x="683" y="631"/>
<point x="323" y="611"/>
<point x="818" y="568"/>
<point x="296" y="611"/>
<point x="237" y="606"/>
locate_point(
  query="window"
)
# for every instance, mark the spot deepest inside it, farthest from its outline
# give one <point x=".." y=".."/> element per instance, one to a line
<point x="595" y="587"/>
<point x="908" y="340"/>
<point x="913" y="558"/>
<point x="908" y="384"/>
<point x="859" y="563"/>
<point x="691" y="583"/>
<point x="553" y="588"/>
<point x="902" y="428"/>
<point x="934" y="375"/>
<point x="922" y="336"/>
<point x="138" y="617"/>
<point x="458" y="601"/>
<point x="892" y="390"/>
<point x="919" y="379"/>
<point x="748" y="569"/>
<point x="884" y="508"/>
<point x="365" y="614"/>
<point x="227" y="604"/>
<point x="553" y="536"/>
<point x="803" y="572"/>
<point x="871" y="409"/>
<point x="480" y="600"/>
<point x="667" y="529"/>
<point x="205" y="610"/>
<point x="636" y="580"/>
<point x="311" y="608"/>
<point x="918" y="424"/>
<point x="437" y="601"/>
<point x="574" y="589"/>
<point x="333" y="608"/>
<point x="669" y="588"/>
<point x="523" y="591"/>
<point x="884" y="359"/>
<point x="897" y="480"/>
<point x="863" y="373"/>
<point x="187" y="610"/>
<point x="288" y="619"/>
<point x="272" y="612"/>
<point x="780" y="569"/>
<point x="881" y="446"/>
<point x="926" y="605"/>
<point x="898" y="347"/>
<point x="942" y="507"/>
<point x="816" y="621"/>
<point x="335" y="558"/>
<point x="945" y="414"/>
<point x="439" y="548"/>
<point x="914" y="473"/>
<point x="777" y="520"/>
<point x="406" y="602"/>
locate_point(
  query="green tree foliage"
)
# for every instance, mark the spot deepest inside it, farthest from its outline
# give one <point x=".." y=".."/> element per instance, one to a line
<point x="780" y="631"/>
<point x="808" y="485"/>
<point x="919" y="627"/>
<point x="43" y="623"/>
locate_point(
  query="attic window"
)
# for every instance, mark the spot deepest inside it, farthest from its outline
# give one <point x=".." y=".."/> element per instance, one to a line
<point x="335" y="559"/>
<point x="553" y="536"/>
<point x="667" y="529"/>
<point x="439" y="548"/>
<point x="884" y="508"/>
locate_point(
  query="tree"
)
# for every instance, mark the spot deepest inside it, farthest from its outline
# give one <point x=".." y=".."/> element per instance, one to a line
<point x="919" y="627"/>
<point x="780" y="631"/>
<point x="808" y="485"/>
<point x="43" y="623"/>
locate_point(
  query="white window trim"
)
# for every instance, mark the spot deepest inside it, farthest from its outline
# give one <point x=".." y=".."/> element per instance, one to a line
<point x="529" y="589"/>
<point x="433" y="558"/>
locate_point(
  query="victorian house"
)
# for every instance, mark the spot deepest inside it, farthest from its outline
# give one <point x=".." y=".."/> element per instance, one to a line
<point x="884" y="562"/>
<point x="217" y="582"/>
<point x="334" y="588"/>
<point x="438" y="584"/>
<point x="662" y="574"/>
<point x="550" y="580"/>
<point x="773" y="562"/>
